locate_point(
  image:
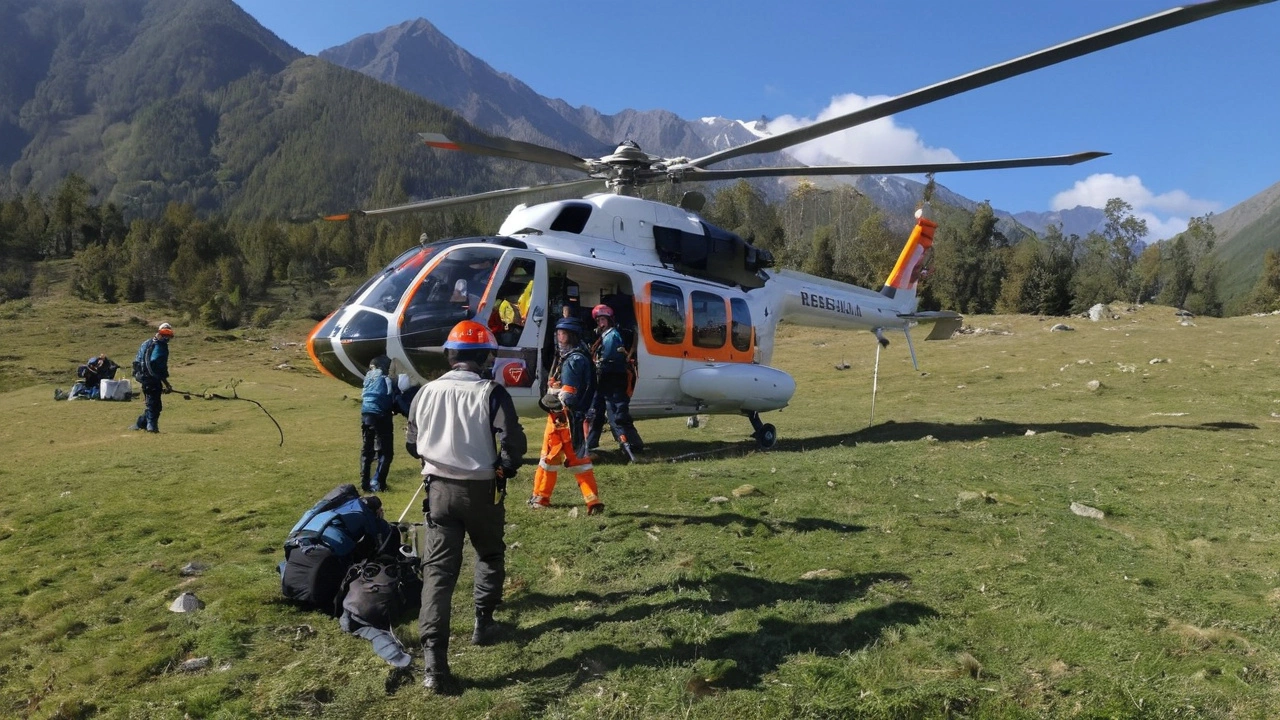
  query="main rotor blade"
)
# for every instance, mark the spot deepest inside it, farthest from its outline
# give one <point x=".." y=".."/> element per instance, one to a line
<point x="1149" y="25"/>
<point x="692" y="174"/>
<point x="576" y="186"/>
<point x="506" y="148"/>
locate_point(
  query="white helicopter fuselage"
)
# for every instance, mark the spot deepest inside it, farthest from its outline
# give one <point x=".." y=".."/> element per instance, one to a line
<point x="702" y="344"/>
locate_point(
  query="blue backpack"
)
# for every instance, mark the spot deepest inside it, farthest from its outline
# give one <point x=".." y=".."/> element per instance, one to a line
<point x="142" y="361"/>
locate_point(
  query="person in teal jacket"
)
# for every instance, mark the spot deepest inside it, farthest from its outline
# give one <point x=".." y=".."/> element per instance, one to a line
<point x="376" y="427"/>
<point x="151" y="369"/>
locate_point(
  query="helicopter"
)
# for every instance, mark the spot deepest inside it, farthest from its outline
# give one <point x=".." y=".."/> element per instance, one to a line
<point x="703" y="303"/>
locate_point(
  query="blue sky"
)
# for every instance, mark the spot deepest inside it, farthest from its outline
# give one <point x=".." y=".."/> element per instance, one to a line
<point x="1190" y="115"/>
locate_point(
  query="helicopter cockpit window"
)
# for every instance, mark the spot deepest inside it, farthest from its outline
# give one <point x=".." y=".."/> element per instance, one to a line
<point x="740" y="331"/>
<point x="573" y="218"/>
<point x="710" y="321"/>
<point x="666" y="313"/>
<point x="390" y="285"/>
<point x="451" y="292"/>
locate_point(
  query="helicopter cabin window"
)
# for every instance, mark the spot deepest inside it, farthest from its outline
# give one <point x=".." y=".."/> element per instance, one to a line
<point x="572" y="218"/>
<point x="511" y="304"/>
<point x="740" y="330"/>
<point x="390" y="285"/>
<point x="448" y="294"/>
<point x="666" y="313"/>
<point x="710" y="320"/>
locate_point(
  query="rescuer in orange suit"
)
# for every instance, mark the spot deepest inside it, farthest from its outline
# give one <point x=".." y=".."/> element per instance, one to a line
<point x="569" y="395"/>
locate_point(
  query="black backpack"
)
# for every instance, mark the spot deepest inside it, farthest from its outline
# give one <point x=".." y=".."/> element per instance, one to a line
<point x="312" y="577"/>
<point x="311" y="574"/>
<point x="375" y="591"/>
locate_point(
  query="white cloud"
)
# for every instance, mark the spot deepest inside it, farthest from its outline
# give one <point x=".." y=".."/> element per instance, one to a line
<point x="1166" y="214"/>
<point x="1162" y="228"/>
<point x="879" y="142"/>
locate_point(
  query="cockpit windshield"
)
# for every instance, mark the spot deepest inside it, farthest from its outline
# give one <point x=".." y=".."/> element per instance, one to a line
<point x="458" y="281"/>
<point x="390" y="284"/>
<point x="451" y="292"/>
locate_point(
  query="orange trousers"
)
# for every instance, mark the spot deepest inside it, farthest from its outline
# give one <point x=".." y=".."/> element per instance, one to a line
<point x="557" y="454"/>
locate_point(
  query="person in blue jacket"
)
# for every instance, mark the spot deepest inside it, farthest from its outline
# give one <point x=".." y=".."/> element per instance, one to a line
<point x="151" y="369"/>
<point x="612" y="400"/>
<point x="376" y="427"/>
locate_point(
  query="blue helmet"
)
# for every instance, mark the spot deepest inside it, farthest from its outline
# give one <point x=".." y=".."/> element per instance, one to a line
<point x="573" y="325"/>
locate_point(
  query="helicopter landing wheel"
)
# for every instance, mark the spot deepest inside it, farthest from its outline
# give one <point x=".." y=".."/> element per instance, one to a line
<point x="692" y="422"/>
<point x="766" y="436"/>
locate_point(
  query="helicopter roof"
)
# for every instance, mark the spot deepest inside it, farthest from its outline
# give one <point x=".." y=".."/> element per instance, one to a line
<point x="602" y="223"/>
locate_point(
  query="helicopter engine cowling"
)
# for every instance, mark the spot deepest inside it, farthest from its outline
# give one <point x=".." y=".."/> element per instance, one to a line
<point x="738" y="386"/>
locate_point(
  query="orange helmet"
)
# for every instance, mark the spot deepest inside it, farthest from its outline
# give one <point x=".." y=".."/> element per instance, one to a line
<point x="470" y="335"/>
<point x="600" y="311"/>
<point x="166" y="330"/>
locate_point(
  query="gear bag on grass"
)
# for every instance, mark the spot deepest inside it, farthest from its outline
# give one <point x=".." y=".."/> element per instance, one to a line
<point x="312" y="576"/>
<point x="374" y="591"/>
<point x="317" y="524"/>
<point x="317" y="553"/>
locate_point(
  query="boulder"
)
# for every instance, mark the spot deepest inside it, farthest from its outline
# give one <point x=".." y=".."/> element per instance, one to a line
<point x="1086" y="511"/>
<point x="185" y="603"/>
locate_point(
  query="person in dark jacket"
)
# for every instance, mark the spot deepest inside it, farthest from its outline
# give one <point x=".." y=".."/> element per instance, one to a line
<point x="465" y="430"/>
<point x="376" y="427"/>
<point x="151" y="370"/>
<point x="612" y="401"/>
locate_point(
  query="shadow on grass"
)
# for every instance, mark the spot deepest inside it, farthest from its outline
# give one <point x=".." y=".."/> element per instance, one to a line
<point x="725" y="519"/>
<point x="684" y="450"/>
<point x="722" y="593"/>
<point x="744" y="657"/>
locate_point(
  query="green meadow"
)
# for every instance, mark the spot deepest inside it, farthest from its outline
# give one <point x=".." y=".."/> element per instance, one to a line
<point x="927" y="564"/>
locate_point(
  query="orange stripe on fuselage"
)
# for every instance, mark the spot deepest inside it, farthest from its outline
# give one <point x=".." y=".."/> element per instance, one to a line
<point x="311" y="347"/>
<point x="442" y="145"/>
<point x="921" y="239"/>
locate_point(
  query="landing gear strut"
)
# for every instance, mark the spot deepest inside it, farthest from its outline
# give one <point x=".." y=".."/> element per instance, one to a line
<point x="765" y="433"/>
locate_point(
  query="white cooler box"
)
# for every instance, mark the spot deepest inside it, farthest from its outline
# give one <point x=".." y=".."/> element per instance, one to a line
<point x="114" y="390"/>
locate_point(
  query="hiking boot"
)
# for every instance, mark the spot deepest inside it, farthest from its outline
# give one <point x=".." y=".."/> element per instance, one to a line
<point x="486" y="630"/>
<point x="537" y="504"/>
<point x="595" y="509"/>
<point x="436" y="677"/>
<point x="58" y="394"/>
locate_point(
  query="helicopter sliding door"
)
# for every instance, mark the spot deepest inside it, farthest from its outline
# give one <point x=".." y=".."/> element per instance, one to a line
<point x="514" y="307"/>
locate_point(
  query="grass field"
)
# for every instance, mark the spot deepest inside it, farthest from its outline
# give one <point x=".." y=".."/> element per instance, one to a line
<point x="928" y="565"/>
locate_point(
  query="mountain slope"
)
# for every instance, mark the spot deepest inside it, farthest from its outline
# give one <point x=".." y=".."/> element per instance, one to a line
<point x="1245" y="233"/>
<point x="77" y="73"/>
<point x="417" y="57"/>
<point x="155" y="101"/>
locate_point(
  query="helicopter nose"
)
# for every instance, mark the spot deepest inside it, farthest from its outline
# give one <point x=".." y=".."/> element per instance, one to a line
<point x="361" y="338"/>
